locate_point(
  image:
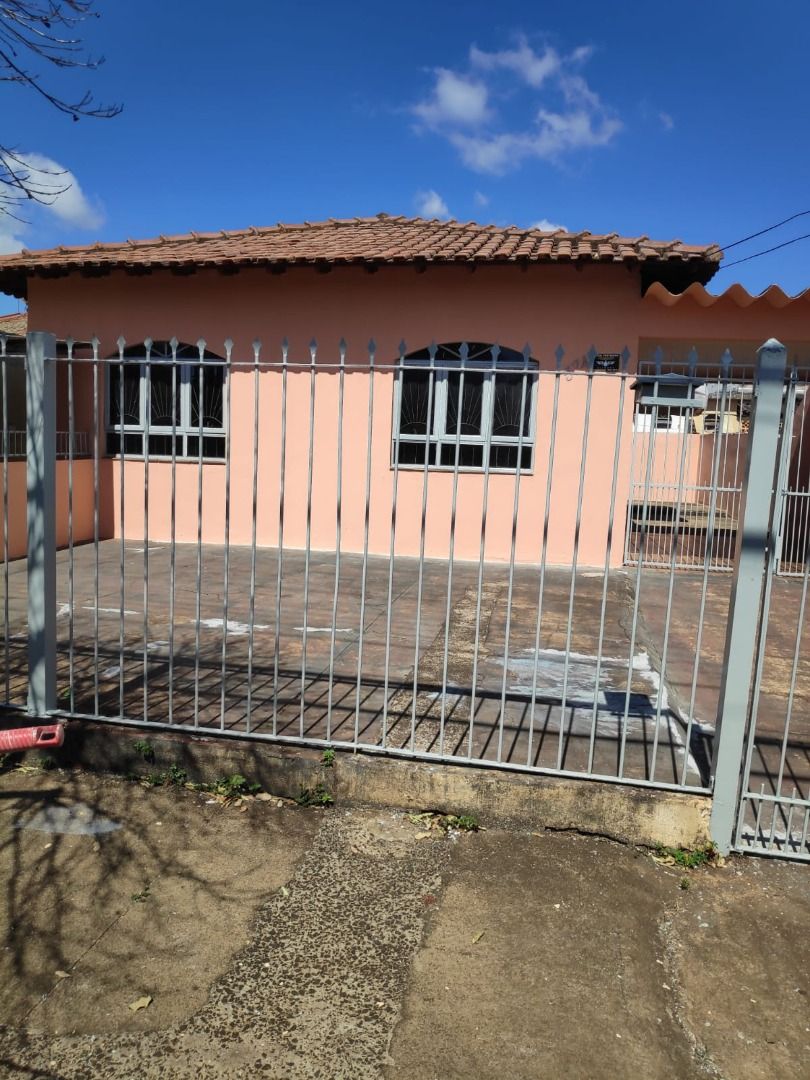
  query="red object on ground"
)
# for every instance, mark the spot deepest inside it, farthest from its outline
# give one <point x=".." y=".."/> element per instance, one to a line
<point x="26" y="738"/>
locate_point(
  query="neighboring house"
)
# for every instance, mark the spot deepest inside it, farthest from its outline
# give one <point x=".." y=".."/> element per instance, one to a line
<point x="391" y="279"/>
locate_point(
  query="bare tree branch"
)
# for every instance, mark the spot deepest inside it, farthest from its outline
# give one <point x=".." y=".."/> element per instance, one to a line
<point x="37" y="33"/>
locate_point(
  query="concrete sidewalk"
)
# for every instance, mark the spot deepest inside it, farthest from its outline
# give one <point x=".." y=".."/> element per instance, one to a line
<point x="278" y="942"/>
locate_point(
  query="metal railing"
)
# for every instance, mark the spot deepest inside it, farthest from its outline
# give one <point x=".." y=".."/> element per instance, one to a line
<point x="14" y="445"/>
<point x="319" y="587"/>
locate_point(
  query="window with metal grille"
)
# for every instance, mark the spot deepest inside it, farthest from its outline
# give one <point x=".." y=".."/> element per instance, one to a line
<point x="143" y="395"/>
<point x="471" y="399"/>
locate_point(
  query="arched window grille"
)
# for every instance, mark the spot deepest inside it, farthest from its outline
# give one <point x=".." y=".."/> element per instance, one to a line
<point x="147" y="403"/>
<point x="479" y="412"/>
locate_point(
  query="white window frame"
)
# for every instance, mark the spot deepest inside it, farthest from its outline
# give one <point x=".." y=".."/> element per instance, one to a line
<point x="441" y="436"/>
<point x="678" y="422"/>
<point x="183" y="430"/>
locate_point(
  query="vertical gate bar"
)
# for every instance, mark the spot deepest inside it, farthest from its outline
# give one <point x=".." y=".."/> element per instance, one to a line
<point x="121" y="342"/>
<point x="800" y="514"/>
<point x="254" y="506"/>
<point x="805" y="827"/>
<point x="673" y="560"/>
<point x="642" y="547"/>
<point x="338" y="523"/>
<point x="423" y="525"/>
<point x="96" y="489"/>
<point x="313" y="352"/>
<point x="760" y="651"/>
<point x="280" y="553"/>
<point x="758" y="816"/>
<point x="608" y="550"/>
<point x="794" y="669"/>
<point x="782" y="491"/>
<point x="789" y="825"/>
<point x="366" y="520"/>
<point x="515" y="512"/>
<point x="552" y="447"/>
<point x="40" y="422"/>
<point x="146" y="440"/>
<point x="223" y="678"/>
<point x="569" y="626"/>
<point x="764" y="626"/>
<point x="463" y="354"/>
<point x="173" y="529"/>
<point x="707" y="565"/>
<point x="6" y="606"/>
<point x="746" y="594"/>
<point x="631" y="500"/>
<point x="397" y="395"/>
<point x="71" y="584"/>
<point x="198" y="580"/>
<point x="494" y="353"/>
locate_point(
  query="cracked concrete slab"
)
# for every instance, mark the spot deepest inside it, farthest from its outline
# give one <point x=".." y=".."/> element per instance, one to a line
<point x="351" y="944"/>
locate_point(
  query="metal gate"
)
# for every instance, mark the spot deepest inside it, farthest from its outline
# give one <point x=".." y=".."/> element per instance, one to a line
<point x="774" y="805"/>
<point x="418" y="552"/>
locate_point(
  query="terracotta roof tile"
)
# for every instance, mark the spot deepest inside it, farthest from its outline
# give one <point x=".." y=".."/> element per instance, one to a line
<point x="14" y="325"/>
<point x="360" y="240"/>
<point x="736" y="294"/>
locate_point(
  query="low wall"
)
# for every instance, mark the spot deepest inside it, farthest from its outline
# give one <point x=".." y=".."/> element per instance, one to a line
<point x="496" y="797"/>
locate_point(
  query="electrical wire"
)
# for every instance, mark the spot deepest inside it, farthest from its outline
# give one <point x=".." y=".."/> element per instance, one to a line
<point x="753" y="236"/>
<point x="767" y="251"/>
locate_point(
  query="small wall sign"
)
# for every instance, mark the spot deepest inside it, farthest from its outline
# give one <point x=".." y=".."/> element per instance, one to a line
<point x="606" y="361"/>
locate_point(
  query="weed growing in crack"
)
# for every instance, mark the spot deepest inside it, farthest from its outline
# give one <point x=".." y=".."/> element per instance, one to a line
<point x="145" y="749"/>
<point x="689" y="859"/>
<point x="314" y="796"/>
<point x="328" y="757"/>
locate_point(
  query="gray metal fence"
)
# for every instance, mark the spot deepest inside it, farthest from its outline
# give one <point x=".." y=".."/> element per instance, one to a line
<point x="423" y="554"/>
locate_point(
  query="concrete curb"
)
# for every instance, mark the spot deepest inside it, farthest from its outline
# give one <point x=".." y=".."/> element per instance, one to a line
<point x="629" y="814"/>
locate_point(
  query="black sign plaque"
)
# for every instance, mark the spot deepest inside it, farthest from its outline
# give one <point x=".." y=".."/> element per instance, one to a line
<point x="606" y="361"/>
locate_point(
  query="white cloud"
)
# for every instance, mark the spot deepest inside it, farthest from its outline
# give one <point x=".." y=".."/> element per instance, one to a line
<point x="10" y="240"/>
<point x="522" y="60"/>
<point x="481" y="199"/>
<point x="667" y="123"/>
<point x="62" y="193"/>
<point x="430" y="204"/>
<point x="570" y="116"/>
<point x="547" y="226"/>
<point x="456" y="99"/>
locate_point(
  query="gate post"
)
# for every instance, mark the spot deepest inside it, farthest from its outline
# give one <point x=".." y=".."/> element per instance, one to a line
<point x="40" y="433"/>
<point x="755" y="542"/>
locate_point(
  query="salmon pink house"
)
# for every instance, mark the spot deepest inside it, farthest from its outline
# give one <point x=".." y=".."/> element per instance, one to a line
<point x="300" y="382"/>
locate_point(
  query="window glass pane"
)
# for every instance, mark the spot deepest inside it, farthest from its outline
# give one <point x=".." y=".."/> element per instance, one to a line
<point x="469" y="457"/>
<point x="412" y="453"/>
<point x="213" y="385"/>
<point x="161" y="445"/>
<point x="414" y="395"/>
<point x="132" y="393"/>
<point x="160" y="388"/>
<point x="470" y="406"/>
<point x="213" y="446"/>
<point x="505" y="457"/>
<point x="506" y="405"/>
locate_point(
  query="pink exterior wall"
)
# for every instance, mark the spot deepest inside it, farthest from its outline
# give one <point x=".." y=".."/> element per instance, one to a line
<point x="82" y="505"/>
<point x="545" y="305"/>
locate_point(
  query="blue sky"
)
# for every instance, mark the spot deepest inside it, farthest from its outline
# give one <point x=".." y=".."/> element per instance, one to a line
<point x="685" y="120"/>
